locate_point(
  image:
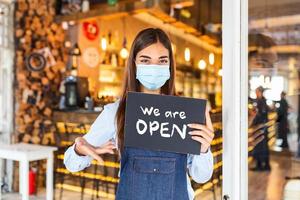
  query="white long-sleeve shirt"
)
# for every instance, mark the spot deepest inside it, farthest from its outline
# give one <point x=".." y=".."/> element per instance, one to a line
<point x="200" y="167"/>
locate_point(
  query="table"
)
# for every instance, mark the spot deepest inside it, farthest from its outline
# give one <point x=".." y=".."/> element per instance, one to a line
<point x="24" y="153"/>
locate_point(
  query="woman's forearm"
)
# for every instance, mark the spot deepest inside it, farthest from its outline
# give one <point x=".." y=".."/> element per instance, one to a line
<point x="201" y="166"/>
<point x="101" y="131"/>
<point x="75" y="162"/>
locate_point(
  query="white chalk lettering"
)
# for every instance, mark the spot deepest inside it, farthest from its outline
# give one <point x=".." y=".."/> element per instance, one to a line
<point x="165" y="129"/>
<point x="153" y="126"/>
<point x="148" y="111"/>
<point x="141" y="122"/>
<point x="182" y="115"/>
<point x="162" y="129"/>
<point x="156" y="112"/>
<point x="182" y="132"/>
<point x="170" y="114"/>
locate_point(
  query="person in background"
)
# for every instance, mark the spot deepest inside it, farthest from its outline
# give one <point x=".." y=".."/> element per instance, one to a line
<point x="282" y="119"/>
<point x="261" y="150"/>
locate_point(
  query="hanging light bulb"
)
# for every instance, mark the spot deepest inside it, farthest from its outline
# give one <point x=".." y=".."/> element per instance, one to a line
<point x="103" y="43"/>
<point x="187" y="54"/>
<point x="202" y="64"/>
<point x="124" y="52"/>
<point x="220" y="73"/>
<point x="211" y="58"/>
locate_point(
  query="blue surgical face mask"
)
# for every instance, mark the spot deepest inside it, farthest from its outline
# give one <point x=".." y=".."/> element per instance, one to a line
<point x="152" y="76"/>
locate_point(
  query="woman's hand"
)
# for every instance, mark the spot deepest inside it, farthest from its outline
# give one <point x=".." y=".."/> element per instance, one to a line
<point x="203" y="133"/>
<point x="84" y="148"/>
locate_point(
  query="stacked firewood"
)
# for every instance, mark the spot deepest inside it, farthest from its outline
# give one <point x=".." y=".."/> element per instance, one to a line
<point x="37" y="91"/>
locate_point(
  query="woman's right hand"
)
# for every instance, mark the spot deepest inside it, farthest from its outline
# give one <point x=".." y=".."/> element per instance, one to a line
<point x="82" y="147"/>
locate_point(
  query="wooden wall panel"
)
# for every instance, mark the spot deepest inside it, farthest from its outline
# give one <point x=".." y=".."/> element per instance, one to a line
<point x="35" y="30"/>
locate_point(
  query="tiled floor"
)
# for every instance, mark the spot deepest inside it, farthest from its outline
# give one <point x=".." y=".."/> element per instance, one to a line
<point x="270" y="185"/>
<point x="262" y="185"/>
<point x="68" y="196"/>
<point x="74" y="196"/>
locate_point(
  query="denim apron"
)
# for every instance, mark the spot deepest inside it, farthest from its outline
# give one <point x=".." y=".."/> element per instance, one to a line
<point x="152" y="175"/>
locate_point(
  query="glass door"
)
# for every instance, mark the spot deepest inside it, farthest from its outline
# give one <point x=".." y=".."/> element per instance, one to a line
<point x="274" y="60"/>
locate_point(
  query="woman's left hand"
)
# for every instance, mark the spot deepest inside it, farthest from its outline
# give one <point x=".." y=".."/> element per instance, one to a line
<point x="203" y="133"/>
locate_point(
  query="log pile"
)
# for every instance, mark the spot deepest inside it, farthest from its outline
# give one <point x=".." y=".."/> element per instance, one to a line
<point x="37" y="92"/>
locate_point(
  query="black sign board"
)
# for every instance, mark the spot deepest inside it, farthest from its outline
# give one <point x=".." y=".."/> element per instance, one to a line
<point x="159" y="122"/>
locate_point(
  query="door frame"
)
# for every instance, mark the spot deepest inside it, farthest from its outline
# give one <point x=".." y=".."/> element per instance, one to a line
<point x="7" y="75"/>
<point x="235" y="99"/>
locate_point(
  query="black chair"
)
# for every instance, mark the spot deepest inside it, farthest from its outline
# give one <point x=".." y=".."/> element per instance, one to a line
<point x="65" y="135"/>
<point x="217" y="173"/>
<point x="106" y="171"/>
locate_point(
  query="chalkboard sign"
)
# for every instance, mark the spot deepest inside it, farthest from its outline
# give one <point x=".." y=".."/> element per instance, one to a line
<point x="159" y="122"/>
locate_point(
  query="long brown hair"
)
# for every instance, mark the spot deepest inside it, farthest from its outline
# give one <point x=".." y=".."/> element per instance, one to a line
<point x="143" y="39"/>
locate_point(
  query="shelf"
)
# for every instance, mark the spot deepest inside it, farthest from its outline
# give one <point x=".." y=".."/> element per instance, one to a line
<point x="153" y="13"/>
<point x="117" y="83"/>
<point x="89" y="175"/>
<point x="75" y="116"/>
<point x="121" y="9"/>
<point x="110" y="67"/>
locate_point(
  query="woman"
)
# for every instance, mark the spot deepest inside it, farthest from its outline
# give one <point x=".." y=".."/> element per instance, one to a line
<point x="145" y="174"/>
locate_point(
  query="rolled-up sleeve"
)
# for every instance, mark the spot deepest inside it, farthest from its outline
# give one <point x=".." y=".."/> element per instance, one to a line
<point x="74" y="162"/>
<point x="102" y="130"/>
<point x="200" y="167"/>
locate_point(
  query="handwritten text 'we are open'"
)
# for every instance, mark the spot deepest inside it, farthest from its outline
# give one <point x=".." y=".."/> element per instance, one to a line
<point x="163" y="128"/>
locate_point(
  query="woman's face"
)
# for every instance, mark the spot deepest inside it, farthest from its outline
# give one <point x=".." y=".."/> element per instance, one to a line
<point x="153" y="54"/>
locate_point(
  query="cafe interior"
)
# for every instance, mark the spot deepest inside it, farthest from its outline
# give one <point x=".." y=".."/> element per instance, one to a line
<point x="61" y="61"/>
